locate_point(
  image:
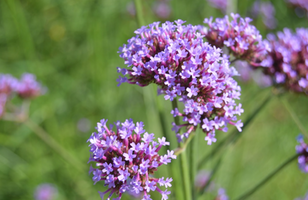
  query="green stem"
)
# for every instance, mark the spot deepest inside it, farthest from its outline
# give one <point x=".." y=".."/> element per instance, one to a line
<point x="185" y="175"/>
<point x="235" y="135"/>
<point x="294" y="116"/>
<point x="173" y="168"/>
<point x="193" y="161"/>
<point x="252" y="116"/>
<point x="162" y="121"/>
<point x="266" y="179"/>
<point x="138" y="8"/>
<point x="213" y="173"/>
<point x="43" y="135"/>
<point x="182" y="148"/>
<point x="183" y="158"/>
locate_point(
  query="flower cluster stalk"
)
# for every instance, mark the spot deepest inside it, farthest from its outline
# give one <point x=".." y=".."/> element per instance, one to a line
<point x="183" y="158"/>
<point x="267" y="178"/>
<point x="294" y="116"/>
<point x="43" y="135"/>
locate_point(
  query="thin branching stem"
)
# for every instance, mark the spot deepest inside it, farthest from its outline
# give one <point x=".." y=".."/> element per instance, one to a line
<point x="234" y="60"/>
<point x="213" y="173"/>
<point x="43" y="135"/>
<point x="185" y="175"/>
<point x="294" y="116"/>
<point x="183" y="147"/>
<point x="183" y="158"/>
<point x="267" y="178"/>
<point x="193" y="162"/>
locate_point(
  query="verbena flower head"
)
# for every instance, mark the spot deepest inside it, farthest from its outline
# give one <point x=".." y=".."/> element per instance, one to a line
<point x="287" y="61"/>
<point x="28" y="87"/>
<point x="127" y="158"/>
<point x="242" y="39"/>
<point x="45" y="191"/>
<point x="8" y="84"/>
<point x="302" y="150"/>
<point x="174" y="57"/>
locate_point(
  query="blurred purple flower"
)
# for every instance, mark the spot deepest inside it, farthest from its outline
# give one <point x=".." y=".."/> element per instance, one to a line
<point x="175" y="57"/>
<point x="127" y="159"/>
<point x="84" y="125"/>
<point x="287" y="60"/>
<point x="3" y="98"/>
<point x="303" y="4"/>
<point x="45" y="191"/>
<point x="202" y="179"/>
<point x="302" y="150"/>
<point x="8" y="84"/>
<point x="267" y="12"/>
<point x="219" y="4"/>
<point x="162" y="9"/>
<point x="130" y="8"/>
<point x="28" y="87"/>
<point x="247" y="73"/>
<point x="244" y="70"/>
<point x="222" y="195"/>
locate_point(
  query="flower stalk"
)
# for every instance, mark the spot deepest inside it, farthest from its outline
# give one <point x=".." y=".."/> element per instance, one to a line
<point x="267" y="178"/>
<point x="183" y="157"/>
<point x="294" y="116"/>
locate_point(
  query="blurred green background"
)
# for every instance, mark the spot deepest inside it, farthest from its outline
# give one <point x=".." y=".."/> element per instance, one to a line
<point x="71" y="46"/>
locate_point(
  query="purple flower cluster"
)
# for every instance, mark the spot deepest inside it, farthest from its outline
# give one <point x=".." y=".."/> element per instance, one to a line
<point x="267" y="12"/>
<point x="242" y="39"/>
<point x="219" y="4"/>
<point x="175" y="58"/>
<point x="287" y="61"/>
<point x="127" y="158"/>
<point x="302" y="150"/>
<point x="8" y="84"/>
<point x="26" y="88"/>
